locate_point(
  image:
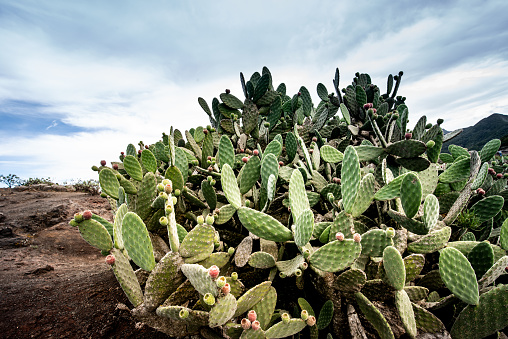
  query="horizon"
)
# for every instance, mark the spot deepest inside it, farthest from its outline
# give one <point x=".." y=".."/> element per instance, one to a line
<point x="80" y="81"/>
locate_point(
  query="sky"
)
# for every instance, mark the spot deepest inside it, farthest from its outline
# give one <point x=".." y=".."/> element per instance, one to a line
<point x="79" y="81"/>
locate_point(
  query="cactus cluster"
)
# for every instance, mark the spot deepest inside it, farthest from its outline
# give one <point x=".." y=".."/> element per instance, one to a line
<point x="227" y="230"/>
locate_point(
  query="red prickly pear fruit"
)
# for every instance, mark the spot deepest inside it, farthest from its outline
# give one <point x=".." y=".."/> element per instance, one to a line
<point x="226" y="289"/>
<point x="205" y="131"/>
<point x="339" y="236"/>
<point x="314" y="139"/>
<point x="209" y="157"/>
<point x="311" y="320"/>
<point x="255" y="152"/>
<point x="103" y="162"/>
<point x="147" y="146"/>
<point x="252" y="316"/>
<point x="115" y="167"/>
<point x="491" y="171"/>
<point x="311" y="151"/>
<point x="281" y="163"/>
<point x="87" y="215"/>
<point x="228" y="91"/>
<point x="139" y="151"/>
<point x="256" y="325"/>
<point x="499" y="175"/>
<point x="480" y="191"/>
<point x="245" y="159"/>
<point x="357" y="237"/>
<point x="245" y="323"/>
<point x="213" y="271"/>
<point x="242" y="150"/>
<point x="122" y="153"/>
<point x="366" y="106"/>
<point x="110" y="259"/>
<point x="408" y="136"/>
<point x="299" y="93"/>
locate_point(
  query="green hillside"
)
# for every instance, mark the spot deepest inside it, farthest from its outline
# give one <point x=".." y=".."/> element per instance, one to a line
<point x="474" y="137"/>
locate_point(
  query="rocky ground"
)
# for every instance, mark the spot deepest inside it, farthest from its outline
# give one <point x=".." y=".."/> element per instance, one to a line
<point x="52" y="283"/>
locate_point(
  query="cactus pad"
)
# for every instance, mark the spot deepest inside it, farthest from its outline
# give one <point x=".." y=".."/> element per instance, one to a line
<point x="127" y="278"/>
<point x="230" y="186"/>
<point x="394" y="267"/>
<point x="431" y="242"/>
<point x="403" y="304"/>
<point x="410" y="194"/>
<point x="336" y="255"/>
<point x="252" y="297"/>
<point x="109" y="183"/>
<point x="137" y="241"/>
<point x="198" y="241"/>
<point x="261" y="260"/>
<point x="95" y="234"/>
<point x="330" y="154"/>
<point x="265" y="308"/>
<point x="222" y="311"/>
<point x="481" y="258"/>
<point x="199" y="278"/>
<point x="282" y="330"/>
<point x="350" y="178"/>
<point x="374" y="316"/>
<point x="264" y="225"/>
<point x="133" y="168"/>
<point x="458" y="275"/>
<point x="303" y="227"/>
<point x="374" y="242"/>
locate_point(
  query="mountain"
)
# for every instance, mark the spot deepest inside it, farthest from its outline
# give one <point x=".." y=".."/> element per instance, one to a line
<point x="474" y="137"/>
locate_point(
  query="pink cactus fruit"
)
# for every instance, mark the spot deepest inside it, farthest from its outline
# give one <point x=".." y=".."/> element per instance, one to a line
<point x="311" y="320"/>
<point x="110" y="259"/>
<point x="357" y="237"/>
<point x="256" y="325"/>
<point x="213" y="271"/>
<point x="87" y="215"/>
<point x="226" y="289"/>
<point x="252" y="315"/>
<point x="339" y="236"/>
<point x="245" y="323"/>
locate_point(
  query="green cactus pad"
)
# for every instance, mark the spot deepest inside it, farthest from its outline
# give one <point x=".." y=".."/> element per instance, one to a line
<point x="289" y="267"/>
<point x="342" y="223"/>
<point x="431" y="242"/>
<point x="365" y="195"/>
<point x="225" y="214"/>
<point x="222" y="311"/>
<point x="195" y="147"/>
<point x="430" y="211"/>
<point x="148" y="160"/>
<point x="458" y="275"/>
<point x="173" y="173"/>
<point x="200" y="279"/>
<point x="297" y="195"/>
<point x="336" y="255"/>
<point x="163" y="280"/>
<point x="325" y="315"/>
<point x="403" y="304"/>
<point x="282" y="330"/>
<point x="304" y="305"/>
<point x="230" y="187"/>
<point x="265" y="308"/>
<point x="374" y="242"/>
<point x="127" y="278"/>
<point x="368" y="152"/>
<point x="489" y="149"/>
<point x="350" y="178"/>
<point x="198" y="241"/>
<point x="146" y="194"/>
<point x="391" y="190"/>
<point x="291" y="146"/>
<point x="416" y="293"/>
<point x="493" y="273"/>
<point x="196" y="318"/>
<point x="481" y="258"/>
<point x="407" y="148"/>
<point x="133" y="168"/>
<point x="458" y="171"/>
<point x="252" y="297"/>
<point x="487" y="208"/>
<point x="226" y="152"/>
<point x="95" y="234"/>
<point x="109" y="183"/>
<point x="264" y="225"/>
<point x="411" y="225"/>
<point x="219" y="259"/>
<point x="137" y="241"/>
<point x="274" y="147"/>
<point x="351" y="281"/>
<point x="417" y="164"/>
<point x="426" y="321"/>
<point x="413" y="265"/>
<point x="209" y="194"/>
<point x="261" y="260"/>
<point x="330" y="154"/>
<point x="481" y="176"/>
<point x="429" y="180"/>
<point x="374" y="316"/>
<point x="394" y="267"/>
<point x="489" y="316"/>
<point x="503" y="237"/>
<point x="411" y="194"/>
<point x="160" y="152"/>
<point x="303" y="227"/>
<point x="250" y="174"/>
<point x="117" y="226"/>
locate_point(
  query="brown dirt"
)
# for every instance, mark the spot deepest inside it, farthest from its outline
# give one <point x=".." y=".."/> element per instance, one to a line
<point x="52" y="283"/>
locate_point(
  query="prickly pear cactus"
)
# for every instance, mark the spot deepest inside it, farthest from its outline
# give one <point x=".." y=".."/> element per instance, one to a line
<point x="224" y="230"/>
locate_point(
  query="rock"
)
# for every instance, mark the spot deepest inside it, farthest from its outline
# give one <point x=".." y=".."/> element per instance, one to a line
<point x="41" y="270"/>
